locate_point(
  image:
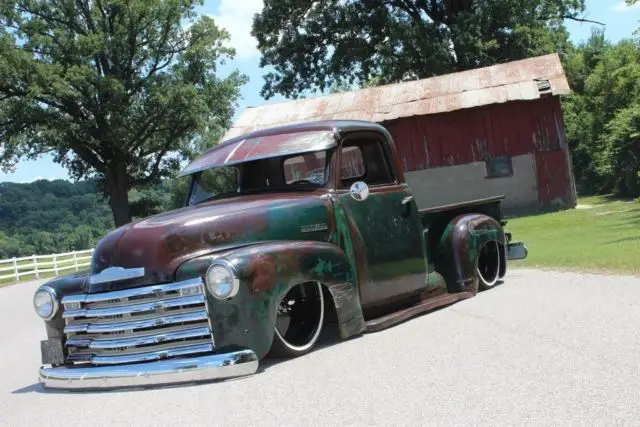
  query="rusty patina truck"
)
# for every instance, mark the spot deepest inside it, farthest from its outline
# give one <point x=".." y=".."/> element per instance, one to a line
<point x="283" y="231"/>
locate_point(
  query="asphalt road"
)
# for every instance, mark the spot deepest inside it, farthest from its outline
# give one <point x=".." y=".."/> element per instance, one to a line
<point x="544" y="348"/>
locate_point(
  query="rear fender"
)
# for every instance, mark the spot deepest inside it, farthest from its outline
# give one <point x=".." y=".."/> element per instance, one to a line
<point x="267" y="271"/>
<point x="459" y="246"/>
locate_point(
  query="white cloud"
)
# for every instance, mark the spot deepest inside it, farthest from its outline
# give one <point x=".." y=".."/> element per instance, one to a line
<point x="38" y="178"/>
<point x="621" y="6"/>
<point x="236" y="16"/>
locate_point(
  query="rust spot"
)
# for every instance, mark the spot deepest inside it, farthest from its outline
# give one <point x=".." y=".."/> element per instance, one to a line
<point x="262" y="269"/>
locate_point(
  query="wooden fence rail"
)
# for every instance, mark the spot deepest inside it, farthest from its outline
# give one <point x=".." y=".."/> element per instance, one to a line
<point x="37" y="265"/>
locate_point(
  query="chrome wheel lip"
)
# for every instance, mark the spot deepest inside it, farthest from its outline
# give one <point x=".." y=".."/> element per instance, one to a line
<point x="497" y="276"/>
<point x="316" y="332"/>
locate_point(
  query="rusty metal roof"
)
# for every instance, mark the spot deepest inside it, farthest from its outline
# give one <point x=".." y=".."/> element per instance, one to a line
<point x="513" y="81"/>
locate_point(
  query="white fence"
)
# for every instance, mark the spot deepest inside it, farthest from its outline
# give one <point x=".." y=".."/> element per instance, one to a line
<point x="37" y="265"/>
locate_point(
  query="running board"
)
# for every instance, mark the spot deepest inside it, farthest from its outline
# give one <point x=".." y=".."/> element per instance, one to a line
<point x="383" y="322"/>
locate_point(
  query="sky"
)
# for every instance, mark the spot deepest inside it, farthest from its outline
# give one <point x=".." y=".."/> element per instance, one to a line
<point x="236" y="16"/>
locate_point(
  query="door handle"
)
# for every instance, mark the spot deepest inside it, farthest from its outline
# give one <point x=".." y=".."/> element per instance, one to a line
<point x="407" y="199"/>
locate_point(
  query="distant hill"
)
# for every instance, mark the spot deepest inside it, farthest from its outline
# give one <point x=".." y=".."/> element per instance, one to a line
<point x="46" y="217"/>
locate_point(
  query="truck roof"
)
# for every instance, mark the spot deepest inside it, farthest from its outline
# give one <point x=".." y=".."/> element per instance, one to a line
<point x="278" y="141"/>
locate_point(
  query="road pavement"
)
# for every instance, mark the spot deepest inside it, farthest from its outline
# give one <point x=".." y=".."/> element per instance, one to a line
<point x="544" y="348"/>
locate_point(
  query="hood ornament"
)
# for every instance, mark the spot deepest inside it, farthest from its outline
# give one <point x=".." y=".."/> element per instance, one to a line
<point x="116" y="274"/>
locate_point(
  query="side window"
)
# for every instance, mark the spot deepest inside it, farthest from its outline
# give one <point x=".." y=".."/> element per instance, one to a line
<point x="309" y="168"/>
<point x="364" y="160"/>
<point x="352" y="166"/>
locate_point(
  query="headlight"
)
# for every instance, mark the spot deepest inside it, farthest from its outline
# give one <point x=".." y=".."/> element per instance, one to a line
<point x="221" y="279"/>
<point x="45" y="302"/>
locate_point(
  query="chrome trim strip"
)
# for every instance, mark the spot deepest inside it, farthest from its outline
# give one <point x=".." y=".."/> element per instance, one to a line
<point x="149" y="307"/>
<point x="193" y="369"/>
<point x="149" y="356"/>
<point x="136" y="292"/>
<point x="99" y="328"/>
<point x="116" y="274"/>
<point x="155" y="338"/>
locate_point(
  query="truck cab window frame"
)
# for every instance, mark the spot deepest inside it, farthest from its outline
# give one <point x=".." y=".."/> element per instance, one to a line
<point x="377" y="170"/>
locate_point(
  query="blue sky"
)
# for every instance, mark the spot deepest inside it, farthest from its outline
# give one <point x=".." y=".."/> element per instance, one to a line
<point x="236" y="16"/>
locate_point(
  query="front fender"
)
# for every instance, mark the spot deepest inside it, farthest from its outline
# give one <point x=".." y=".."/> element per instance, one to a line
<point x="459" y="246"/>
<point x="267" y="271"/>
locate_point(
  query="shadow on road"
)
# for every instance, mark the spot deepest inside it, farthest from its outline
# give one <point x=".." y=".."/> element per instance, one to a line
<point x="329" y="337"/>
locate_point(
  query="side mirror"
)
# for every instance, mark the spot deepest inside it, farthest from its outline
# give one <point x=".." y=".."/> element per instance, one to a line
<point x="359" y="191"/>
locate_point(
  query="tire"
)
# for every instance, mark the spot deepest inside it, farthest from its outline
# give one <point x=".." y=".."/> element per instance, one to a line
<point x="299" y="321"/>
<point x="488" y="265"/>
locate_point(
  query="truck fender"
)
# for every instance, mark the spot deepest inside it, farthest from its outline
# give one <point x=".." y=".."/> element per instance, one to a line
<point x="459" y="247"/>
<point x="267" y="271"/>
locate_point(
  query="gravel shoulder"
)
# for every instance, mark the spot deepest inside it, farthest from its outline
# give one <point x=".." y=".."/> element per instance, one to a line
<point x="544" y="348"/>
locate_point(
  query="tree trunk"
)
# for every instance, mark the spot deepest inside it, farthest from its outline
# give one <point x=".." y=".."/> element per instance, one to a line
<point x="118" y="190"/>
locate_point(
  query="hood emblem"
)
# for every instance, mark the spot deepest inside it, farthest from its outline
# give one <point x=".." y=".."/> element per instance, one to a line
<point x="314" y="227"/>
<point x="116" y="274"/>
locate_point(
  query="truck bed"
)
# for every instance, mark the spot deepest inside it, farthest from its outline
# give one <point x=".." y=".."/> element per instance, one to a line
<point x="435" y="220"/>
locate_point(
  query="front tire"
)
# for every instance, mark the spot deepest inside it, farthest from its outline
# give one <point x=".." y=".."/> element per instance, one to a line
<point x="299" y="321"/>
<point x="488" y="265"/>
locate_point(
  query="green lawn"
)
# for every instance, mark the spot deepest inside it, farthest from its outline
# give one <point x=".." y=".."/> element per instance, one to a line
<point x="601" y="234"/>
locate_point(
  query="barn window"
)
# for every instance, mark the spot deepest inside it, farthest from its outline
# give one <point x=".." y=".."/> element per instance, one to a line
<point x="499" y="167"/>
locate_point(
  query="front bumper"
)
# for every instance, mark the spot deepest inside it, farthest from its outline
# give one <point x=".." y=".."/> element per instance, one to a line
<point x="174" y="371"/>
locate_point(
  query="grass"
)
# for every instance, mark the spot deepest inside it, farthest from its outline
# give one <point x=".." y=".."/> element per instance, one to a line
<point x="601" y="235"/>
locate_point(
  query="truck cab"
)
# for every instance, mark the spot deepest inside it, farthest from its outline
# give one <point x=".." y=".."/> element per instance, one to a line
<point x="282" y="231"/>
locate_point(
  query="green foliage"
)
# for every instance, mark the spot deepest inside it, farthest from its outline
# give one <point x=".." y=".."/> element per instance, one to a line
<point x="120" y="90"/>
<point x="318" y="45"/>
<point x="602" y="115"/>
<point x="46" y="217"/>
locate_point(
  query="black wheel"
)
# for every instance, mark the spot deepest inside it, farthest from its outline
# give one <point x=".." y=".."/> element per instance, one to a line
<point x="299" y="321"/>
<point x="488" y="265"/>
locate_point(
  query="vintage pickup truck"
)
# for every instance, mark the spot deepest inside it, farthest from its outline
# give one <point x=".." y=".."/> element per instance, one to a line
<point x="283" y="231"/>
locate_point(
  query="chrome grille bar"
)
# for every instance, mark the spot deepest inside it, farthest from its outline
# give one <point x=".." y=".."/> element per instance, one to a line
<point x="139" y="341"/>
<point x="135" y="308"/>
<point x="141" y="357"/>
<point x="137" y="325"/>
<point x="147" y="291"/>
<point x="157" y="321"/>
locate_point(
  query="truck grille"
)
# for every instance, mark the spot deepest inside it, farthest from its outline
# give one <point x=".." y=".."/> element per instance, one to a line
<point x="137" y="325"/>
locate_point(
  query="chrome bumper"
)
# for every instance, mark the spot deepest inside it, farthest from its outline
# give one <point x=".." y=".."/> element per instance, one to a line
<point x="192" y="369"/>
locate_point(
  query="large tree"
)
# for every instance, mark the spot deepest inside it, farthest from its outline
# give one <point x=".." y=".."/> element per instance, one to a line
<point x="315" y="45"/>
<point x="115" y="89"/>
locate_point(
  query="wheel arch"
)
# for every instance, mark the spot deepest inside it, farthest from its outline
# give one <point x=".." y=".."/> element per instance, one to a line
<point x="459" y="246"/>
<point x="267" y="271"/>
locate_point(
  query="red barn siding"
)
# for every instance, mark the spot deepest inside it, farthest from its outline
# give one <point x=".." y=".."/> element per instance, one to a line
<point x="509" y="129"/>
<point x="553" y="177"/>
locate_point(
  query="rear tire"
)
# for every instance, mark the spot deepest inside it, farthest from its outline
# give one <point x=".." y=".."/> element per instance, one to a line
<point x="299" y="321"/>
<point x="488" y="265"/>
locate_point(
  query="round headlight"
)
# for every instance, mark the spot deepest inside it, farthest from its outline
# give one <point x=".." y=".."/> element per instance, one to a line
<point x="45" y="302"/>
<point x="221" y="280"/>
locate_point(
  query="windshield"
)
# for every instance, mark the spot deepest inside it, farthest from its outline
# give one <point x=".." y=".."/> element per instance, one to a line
<point x="297" y="172"/>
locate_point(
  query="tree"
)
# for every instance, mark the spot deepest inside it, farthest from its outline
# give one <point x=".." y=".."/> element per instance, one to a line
<point x="603" y="115"/>
<point x="317" y="45"/>
<point x="115" y="89"/>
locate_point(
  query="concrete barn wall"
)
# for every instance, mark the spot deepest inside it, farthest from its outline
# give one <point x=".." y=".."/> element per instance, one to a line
<point x="453" y="184"/>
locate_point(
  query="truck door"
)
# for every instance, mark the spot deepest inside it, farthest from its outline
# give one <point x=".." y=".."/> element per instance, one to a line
<point x="384" y="226"/>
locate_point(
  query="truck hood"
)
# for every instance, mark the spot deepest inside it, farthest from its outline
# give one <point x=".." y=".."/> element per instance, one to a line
<point x="162" y="242"/>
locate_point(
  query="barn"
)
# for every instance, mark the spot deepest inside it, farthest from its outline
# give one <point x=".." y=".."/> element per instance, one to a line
<point x="491" y="131"/>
